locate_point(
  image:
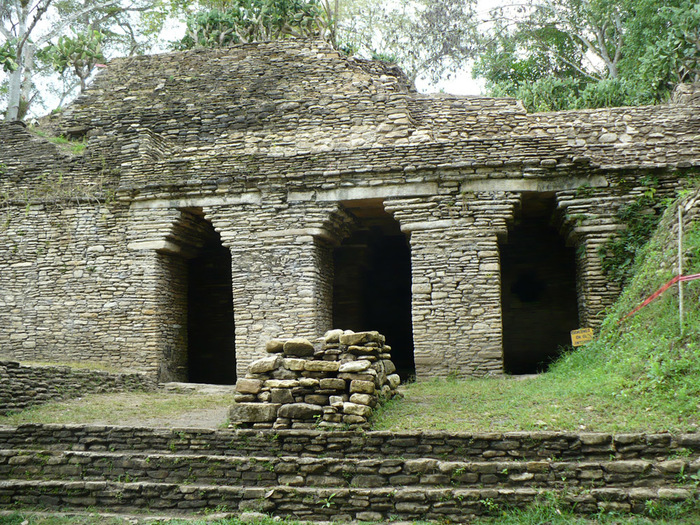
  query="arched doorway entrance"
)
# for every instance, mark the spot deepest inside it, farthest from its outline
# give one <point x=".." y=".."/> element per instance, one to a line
<point x="372" y="281"/>
<point x="538" y="288"/>
<point x="199" y="272"/>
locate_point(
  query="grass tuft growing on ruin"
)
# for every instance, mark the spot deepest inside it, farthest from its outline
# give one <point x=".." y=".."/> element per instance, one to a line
<point x="640" y="374"/>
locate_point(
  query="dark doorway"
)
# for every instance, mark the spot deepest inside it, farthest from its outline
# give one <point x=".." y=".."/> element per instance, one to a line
<point x="211" y="355"/>
<point x="372" y="283"/>
<point x="538" y="289"/>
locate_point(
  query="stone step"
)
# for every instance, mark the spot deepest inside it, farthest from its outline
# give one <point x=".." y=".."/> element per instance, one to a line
<point x="491" y="446"/>
<point x="335" y="472"/>
<point x="309" y="503"/>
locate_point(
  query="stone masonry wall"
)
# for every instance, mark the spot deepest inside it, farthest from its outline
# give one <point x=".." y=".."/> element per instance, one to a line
<point x="26" y="386"/>
<point x="456" y="280"/>
<point x="293" y="471"/>
<point x="444" y="446"/>
<point x="268" y="142"/>
<point x="332" y="385"/>
<point x="68" y="291"/>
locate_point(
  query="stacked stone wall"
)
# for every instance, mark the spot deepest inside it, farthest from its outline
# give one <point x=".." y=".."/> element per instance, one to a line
<point x="332" y="385"/>
<point x="439" y="445"/>
<point x="68" y="291"/>
<point x="24" y="386"/>
<point x="292" y="471"/>
<point x="267" y="142"/>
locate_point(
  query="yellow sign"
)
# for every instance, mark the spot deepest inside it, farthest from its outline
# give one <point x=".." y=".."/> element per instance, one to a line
<point x="581" y="336"/>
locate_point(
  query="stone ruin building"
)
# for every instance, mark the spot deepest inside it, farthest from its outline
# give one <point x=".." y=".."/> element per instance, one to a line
<point x="228" y="197"/>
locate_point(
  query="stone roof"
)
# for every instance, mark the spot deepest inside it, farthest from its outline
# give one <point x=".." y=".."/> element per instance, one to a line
<point x="294" y="108"/>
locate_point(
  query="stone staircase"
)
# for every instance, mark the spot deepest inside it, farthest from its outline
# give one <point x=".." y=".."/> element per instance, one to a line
<point x="312" y="475"/>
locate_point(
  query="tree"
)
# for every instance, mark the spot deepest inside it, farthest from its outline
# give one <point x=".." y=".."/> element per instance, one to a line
<point x="422" y="36"/>
<point x="241" y="21"/>
<point x="28" y="27"/>
<point x="79" y="53"/>
<point x="589" y="53"/>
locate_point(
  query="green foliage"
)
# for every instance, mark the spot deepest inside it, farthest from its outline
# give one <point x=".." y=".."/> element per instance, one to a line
<point x="642" y="48"/>
<point x="80" y="53"/>
<point x="640" y="218"/>
<point x="8" y="56"/>
<point x="255" y="20"/>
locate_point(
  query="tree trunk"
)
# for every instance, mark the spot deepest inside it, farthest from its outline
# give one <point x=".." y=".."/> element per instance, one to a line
<point x="13" y="93"/>
<point x="25" y="95"/>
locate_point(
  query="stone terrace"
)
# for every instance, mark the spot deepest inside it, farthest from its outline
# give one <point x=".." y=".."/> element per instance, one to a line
<point x="316" y="475"/>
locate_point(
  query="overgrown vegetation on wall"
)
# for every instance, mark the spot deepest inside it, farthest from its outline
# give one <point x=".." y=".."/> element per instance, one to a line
<point x="648" y="354"/>
<point x="641" y="218"/>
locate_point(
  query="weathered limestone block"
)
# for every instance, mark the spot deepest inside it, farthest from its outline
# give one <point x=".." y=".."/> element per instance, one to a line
<point x="316" y="399"/>
<point x="264" y="396"/>
<point x="274" y="346"/>
<point x="254" y="412"/>
<point x="245" y="398"/>
<point x="264" y="365"/>
<point x="357" y="410"/>
<point x="389" y="366"/>
<point x="298" y="348"/>
<point x="362" y="387"/>
<point x="365" y="352"/>
<point x="394" y="381"/>
<point x="281" y="396"/>
<point x="337" y="401"/>
<point x="322" y="366"/>
<point x="332" y="383"/>
<point x="355" y="366"/>
<point x="366" y="376"/>
<point x="309" y="382"/>
<point x="281" y="383"/>
<point x="294" y="364"/>
<point x="362" y="399"/>
<point x="361" y="338"/>
<point x="248" y="386"/>
<point x="300" y="411"/>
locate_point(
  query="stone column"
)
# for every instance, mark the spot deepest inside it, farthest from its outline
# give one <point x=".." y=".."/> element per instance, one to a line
<point x="456" y="283"/>
<point x="590" y="220"/>
<point x="159" y="322"/>
<point x="282" y="276"/>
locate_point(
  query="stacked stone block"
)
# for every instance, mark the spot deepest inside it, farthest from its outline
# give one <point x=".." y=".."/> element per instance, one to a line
<point x="334" y="383"/>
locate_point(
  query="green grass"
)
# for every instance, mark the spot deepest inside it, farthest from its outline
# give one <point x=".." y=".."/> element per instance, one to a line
<point x="116" y="409"/>
<point x="547" y="512"/>
<point x="75" y="146"/>
<point x="640" y="374"/>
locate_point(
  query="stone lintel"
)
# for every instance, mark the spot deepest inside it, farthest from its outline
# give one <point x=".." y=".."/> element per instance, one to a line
<point x="541" y="185"/>
<point x="361" y="193"/>
<point x="296" y="232"/>
<point x="159" y="245"/>
<point x="435" y="225"/>
<point x="198" y="202"/>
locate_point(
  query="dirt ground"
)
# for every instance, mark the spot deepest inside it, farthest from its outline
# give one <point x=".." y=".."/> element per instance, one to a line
<point x="208" y="418"/>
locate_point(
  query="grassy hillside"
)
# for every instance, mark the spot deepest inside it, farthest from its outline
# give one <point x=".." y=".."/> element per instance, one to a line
<point x="640" y="374"/>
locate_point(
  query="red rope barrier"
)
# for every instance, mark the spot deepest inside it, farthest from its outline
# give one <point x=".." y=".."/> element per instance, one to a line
<point x="677" y="278"/>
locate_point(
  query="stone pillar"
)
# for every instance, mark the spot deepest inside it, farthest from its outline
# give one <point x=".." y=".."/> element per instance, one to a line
<point x="281" y="271"/>
<point x="160" y="310"/>
<point x="590" y="220"/>
<point x="456" y="283"/>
